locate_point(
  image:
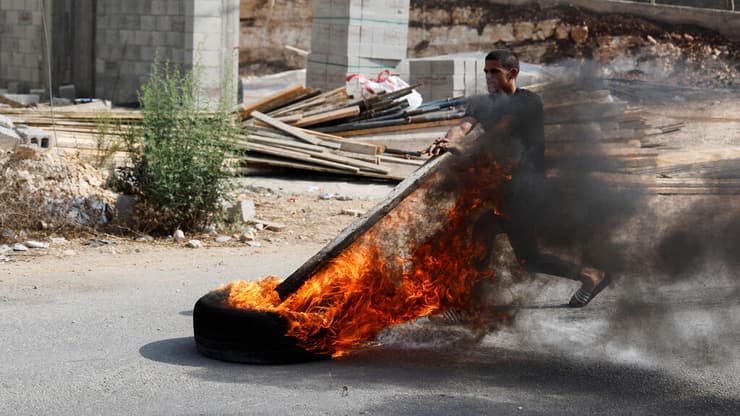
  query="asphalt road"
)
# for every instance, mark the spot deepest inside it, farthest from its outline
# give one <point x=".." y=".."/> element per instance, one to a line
<point x="117" y="339"/>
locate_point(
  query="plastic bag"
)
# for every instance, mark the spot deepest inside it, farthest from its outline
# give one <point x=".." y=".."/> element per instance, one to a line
<point x="360" y="86"/>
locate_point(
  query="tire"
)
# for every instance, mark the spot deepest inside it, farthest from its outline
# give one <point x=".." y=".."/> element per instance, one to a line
<point x="244" y="335"/>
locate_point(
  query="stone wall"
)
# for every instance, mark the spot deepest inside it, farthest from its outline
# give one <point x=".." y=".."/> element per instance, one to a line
<point x="21" y="45"/>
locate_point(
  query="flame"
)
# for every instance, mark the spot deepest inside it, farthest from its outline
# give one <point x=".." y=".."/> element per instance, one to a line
<point x="416" y="261"/>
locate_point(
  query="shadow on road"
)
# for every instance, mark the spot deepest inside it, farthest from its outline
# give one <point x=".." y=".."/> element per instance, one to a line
<point x="178" y="351"/>
<point x="542" y="383"/>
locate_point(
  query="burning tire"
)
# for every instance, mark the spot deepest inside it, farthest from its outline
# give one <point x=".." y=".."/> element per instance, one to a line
<point x="243" y="335"/>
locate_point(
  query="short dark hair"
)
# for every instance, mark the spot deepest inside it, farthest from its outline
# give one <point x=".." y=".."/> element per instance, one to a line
<point x="506" y="57"/>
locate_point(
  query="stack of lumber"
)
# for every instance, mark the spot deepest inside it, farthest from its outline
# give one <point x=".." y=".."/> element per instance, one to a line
<point x="306" y="129"/>
<point x="85" y="129"/>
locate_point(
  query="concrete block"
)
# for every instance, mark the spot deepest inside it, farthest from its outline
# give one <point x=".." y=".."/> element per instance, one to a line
<point x="175" y="8"/>
<point x="321" y="8"/>
<point x="143" y="38"/>
<point x="175" y="39"/>
<point x="189" y="8"/>
<point x="243" y="211"/>
<point x="34" y="136"/>
<point x="131" y="52"/>
<point x="163" y="23"/>
<point x="206" y="24"/>
<point x="316" y="75"/>
<point x="148" y="23"/>
<point x="207" y="8"/>
<point x="159" y="39"/>
<point x="448" y="66"/>
<point x="67" y="91"/>
<point x="23" y="99"/>
<point x="147" y="53"/>
<point x="9" y="139"/>
<point x="177" y="24"/>
<point x="127" y="37"/>
<point x="386" y="9"/>
<point x="419" y="67"/>
<point x="159" y="7"/>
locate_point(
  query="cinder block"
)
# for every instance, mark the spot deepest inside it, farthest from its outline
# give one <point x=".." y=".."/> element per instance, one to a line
<point x="159" y="7"/>
<point x="9" y="139"/>
<point x="33" y="135"/>
<point x="206" y="24"/>
<point x="207" y="8"/>
<point x="163" y="23"/>
<point x="23" y="99"/>
<point x="316" y="75"/>
<point x="420" y="67"/>
<point x="147" y="53"/>
<point x="448" y="66"/>
<point x="175" y="8"/>
<point x="178" y="24"/>
<point x="148" y="23"/>
<point x="143" y="37"/>
<point x="175" y="39"/>
<point x="321" y="8"/>
<point x="67" y="91"/>
<point x="386" y="9"/>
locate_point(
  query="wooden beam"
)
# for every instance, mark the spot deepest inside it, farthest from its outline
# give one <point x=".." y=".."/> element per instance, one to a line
<point x="301" y="156"/>
<point x="293" y="131"/>
<point x="328" y="116"/>
<point x="402" y="127"/>
<point x="263" y="104"/>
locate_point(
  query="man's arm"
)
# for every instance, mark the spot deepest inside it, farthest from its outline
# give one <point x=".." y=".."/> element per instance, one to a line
<point x="452" y="141"/>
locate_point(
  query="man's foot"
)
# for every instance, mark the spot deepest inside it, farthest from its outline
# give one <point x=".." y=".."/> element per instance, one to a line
<point x="594" y="281"/>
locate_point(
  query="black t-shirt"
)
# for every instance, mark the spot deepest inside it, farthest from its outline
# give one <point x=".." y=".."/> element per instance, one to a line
<point x="523" y="142"/>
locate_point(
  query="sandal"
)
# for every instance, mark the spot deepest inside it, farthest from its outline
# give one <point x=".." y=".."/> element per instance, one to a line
<point x="583" y="296"/>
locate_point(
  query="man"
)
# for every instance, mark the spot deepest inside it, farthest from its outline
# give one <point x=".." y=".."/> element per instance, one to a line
<point x="514" y="124"/>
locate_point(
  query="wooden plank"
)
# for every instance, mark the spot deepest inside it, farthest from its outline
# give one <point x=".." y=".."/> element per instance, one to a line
<point x="284" y="94"/>
<point x="328" y="116"/>
<point x="372" y="167"/>
<point x="255" y="138"/>
<point x="293" y="131"/>
<point x="269" y="162"/>
<point x="319" y="99"/>
<point x="403" y="161"/>
<point x="359" y="227"/>
<point x="13" y="103"/>
<point x="347" y="145"/>
<point x="301" y="156"/>
<point x="402" y="127"/>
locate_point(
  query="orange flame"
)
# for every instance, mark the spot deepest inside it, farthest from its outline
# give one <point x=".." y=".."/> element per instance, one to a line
<point x="416" y="261"/>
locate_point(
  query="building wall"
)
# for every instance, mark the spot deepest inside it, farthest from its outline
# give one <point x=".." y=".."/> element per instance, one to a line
<point x="21" y="45"/>
<point x="188" y="33"/>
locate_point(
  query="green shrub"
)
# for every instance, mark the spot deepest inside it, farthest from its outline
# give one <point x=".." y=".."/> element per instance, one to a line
<point x="178" y="153"/>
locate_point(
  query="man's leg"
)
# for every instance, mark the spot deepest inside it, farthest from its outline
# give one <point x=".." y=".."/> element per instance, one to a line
<point x="532" y="260"/>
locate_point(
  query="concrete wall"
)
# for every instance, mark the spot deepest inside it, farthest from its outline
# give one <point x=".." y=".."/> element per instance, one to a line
<point x="185" y="33"/>
<point x="212" y="44"/>
<point x="127" y="37"/>
<point x="21" y="45"/>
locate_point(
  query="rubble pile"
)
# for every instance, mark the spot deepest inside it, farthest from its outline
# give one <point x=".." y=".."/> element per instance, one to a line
<point x="41" y="189"/>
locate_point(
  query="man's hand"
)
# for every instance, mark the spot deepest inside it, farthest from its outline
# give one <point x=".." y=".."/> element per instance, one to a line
<point x="452" y="141"/>
<point x="439" y="146"/>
